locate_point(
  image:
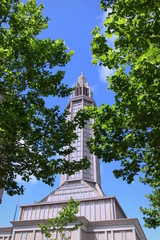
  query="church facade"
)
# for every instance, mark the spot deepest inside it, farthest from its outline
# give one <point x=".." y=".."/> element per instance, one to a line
<point x="101" y="215"/>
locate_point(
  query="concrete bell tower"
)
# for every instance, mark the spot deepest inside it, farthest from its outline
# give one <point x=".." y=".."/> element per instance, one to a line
<point x="81" y="97"/>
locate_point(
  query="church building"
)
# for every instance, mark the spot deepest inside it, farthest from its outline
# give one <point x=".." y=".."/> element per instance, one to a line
<point x="102" y="216"/>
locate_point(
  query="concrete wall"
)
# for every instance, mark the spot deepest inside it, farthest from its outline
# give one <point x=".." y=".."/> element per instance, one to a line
<point x="76" y="235"/>
<point x="123" y="229"/>
<point x="93" y="210"/>
<point x="110" y="235"/>
<point x="83" y="235"/>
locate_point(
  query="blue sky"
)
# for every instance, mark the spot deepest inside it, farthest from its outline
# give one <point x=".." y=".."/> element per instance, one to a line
<point x="73" y="21"/>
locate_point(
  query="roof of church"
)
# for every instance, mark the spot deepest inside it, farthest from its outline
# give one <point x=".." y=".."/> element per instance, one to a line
<point x="78" y="189"/>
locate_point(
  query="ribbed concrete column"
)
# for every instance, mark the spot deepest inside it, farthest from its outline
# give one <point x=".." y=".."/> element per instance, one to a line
<point x="79" y="233"/>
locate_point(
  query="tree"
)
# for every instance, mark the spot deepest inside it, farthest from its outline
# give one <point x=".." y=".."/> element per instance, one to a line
<point x="129" y="130"/>
<point x="59" y="224"/>
<point x="32" y="134"/>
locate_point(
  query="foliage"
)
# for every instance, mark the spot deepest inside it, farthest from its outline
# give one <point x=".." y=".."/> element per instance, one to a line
<point x="152" y="214"/>
<point x="129" y="130"/>
<point x="32" y="134"/>
<point x="59" y="224"/>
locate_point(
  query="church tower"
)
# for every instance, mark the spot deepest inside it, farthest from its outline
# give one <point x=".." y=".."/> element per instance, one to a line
<point x="85" y="183"/>
<point x="80" y="98"/>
